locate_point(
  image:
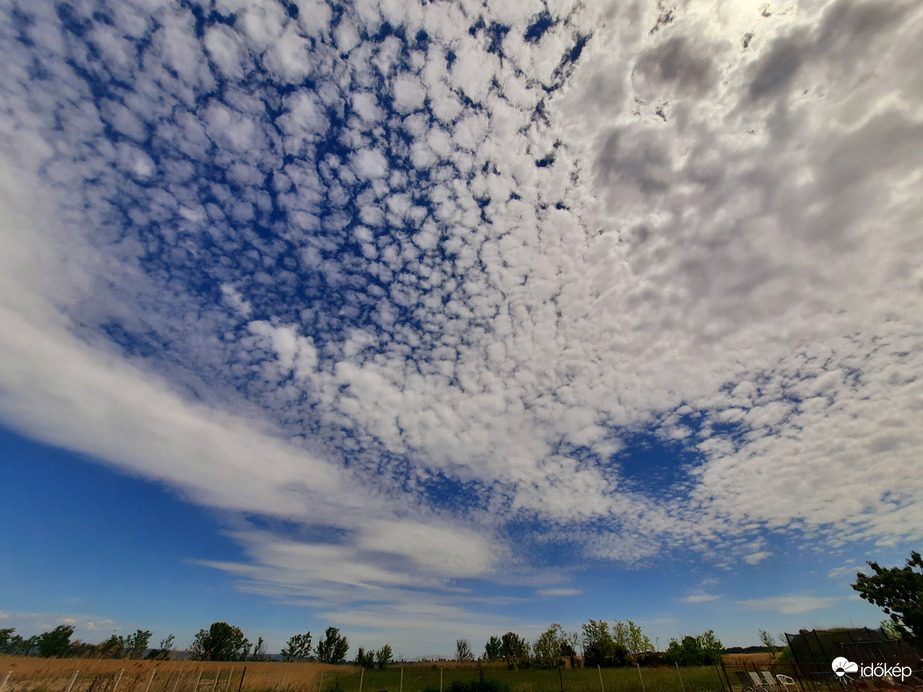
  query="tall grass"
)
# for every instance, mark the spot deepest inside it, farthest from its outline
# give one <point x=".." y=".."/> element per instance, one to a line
<point x="31" y="674"/>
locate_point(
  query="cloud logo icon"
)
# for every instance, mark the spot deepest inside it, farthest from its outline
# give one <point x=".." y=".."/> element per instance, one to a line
<point x="841" y="666"/>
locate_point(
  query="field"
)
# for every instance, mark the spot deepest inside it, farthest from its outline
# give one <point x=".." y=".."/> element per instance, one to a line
<point x="55" y="675"/>
<point x="750" y="660"/>
<point x="30" y="674"/>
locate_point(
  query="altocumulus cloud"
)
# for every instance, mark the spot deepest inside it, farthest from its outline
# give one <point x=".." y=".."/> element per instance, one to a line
<point x="418" y="274"/>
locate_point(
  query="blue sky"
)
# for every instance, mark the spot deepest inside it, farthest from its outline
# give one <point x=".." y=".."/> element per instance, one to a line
<point x="436" y="320"/>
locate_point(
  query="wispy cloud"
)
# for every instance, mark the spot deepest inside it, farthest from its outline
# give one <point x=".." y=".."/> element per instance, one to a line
<point x="562" y="591"/>
<point x="700" y="597"/>
<point x="788" y="605"/>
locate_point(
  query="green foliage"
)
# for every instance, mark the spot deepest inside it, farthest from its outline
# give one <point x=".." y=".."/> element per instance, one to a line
<point x="493" y="649"/>
<point x="384" y="657"/>
<point x="298" y="648"/>
<point x="549" y="647"/>
<point x="259" y="651"/>
<point x="220" y="642"/>
<point x="629" y="635"/>
<point x="514" y="650"/>
<point x="769" y="642"/>
<point x="111" y="647"/>
<point x="887" y="626"/>
<point x="79" y="649"/>
<point x="56" y="642"/>
<point x="650" y="658"/>
<point x="164" y="651"/>
<point x="463" y="651"/>
<point x="6" y="636"/>
<point x="333" y="647"/>
<point x="136" y="644"/>
<point x="487" y="685"/>
<point x="599" y="647"/>
<point x="365" y="659"/>
<point x="898" y="591"/>
<point x="334" y="686"/>
<point x="695" y="651"/>
<point x="17" y="646"/>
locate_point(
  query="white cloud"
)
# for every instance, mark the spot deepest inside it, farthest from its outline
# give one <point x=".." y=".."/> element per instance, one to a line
<point x="563" y="591"/>
<point x="787" y="605"/>
<point x="700" y="597"/>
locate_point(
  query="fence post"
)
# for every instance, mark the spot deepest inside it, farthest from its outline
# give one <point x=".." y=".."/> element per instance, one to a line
<point x="362" y="677"/>
<point x="440" y="680"/>
<point x="3" y="686"/>
<point x="561" y="678"/>
<point x="179" y="674"/>
<point x="676" y="663"/>
<point x="600" y="671"/>
<point x="73" y="680"/>
<point x="242" y="673"/>
<point x="215" y="684"/>
<point x="197" y="680"/>
<point x="640" y="677"/>
<point x="118" y="680"/>
<point x="726" y="678"/>
<point x="230" y="675"/>
<point x="150" y="682"/>
<point x="401" y="689"/>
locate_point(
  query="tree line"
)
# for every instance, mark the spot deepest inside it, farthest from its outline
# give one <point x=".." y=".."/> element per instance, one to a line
<point x="57" y="644"/>
<point x="220" y="642"/>
<point x="897" y="590"/>
<point x="621" y="644"/>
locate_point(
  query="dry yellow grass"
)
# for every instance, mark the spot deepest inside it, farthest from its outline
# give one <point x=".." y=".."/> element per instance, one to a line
<point x="761" y="659"/>
<point x="108" y="675"/>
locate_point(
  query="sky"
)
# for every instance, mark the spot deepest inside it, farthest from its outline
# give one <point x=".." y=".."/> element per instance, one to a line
<point x="431" y="320"/>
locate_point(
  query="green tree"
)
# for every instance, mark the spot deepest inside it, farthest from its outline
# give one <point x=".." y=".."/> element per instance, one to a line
<point x="887" y="626"/>
<point x="599" y="647"/>
<point x="463" y="651"/>
<point x="695" y="651"/>
<point x="333" y="647"/>
<point x="493" y="649"/>
<point x="769" y="642"/>
<point x="298" y="648"/>
<point x="80" y="649"/>
<point x="569" y="647"/>
<point x="17" y="646"/>
<point x="6" y="636"/>
<point x="365" y="659"/>
<point x="898" y="591"/>
<point x="111" y="647"/>
<point x="384" y="657"/>
<point x="56" y="642"/>
<point x="549" y="647"/>
<point x="220" y="642"/>
<point x="629" y="635"/>
<point x="164" y="651"/>
<point x="514" y="650"/>
<point x="259" y="651"/>
<point x="136" y="644"/>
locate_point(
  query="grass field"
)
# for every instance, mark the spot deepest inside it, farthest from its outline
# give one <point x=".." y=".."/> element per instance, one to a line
<point x="104" y="675"/>
<point x="748" y="659"/>
<point x="421" y="677"/>
<point x="30" y="674"/>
